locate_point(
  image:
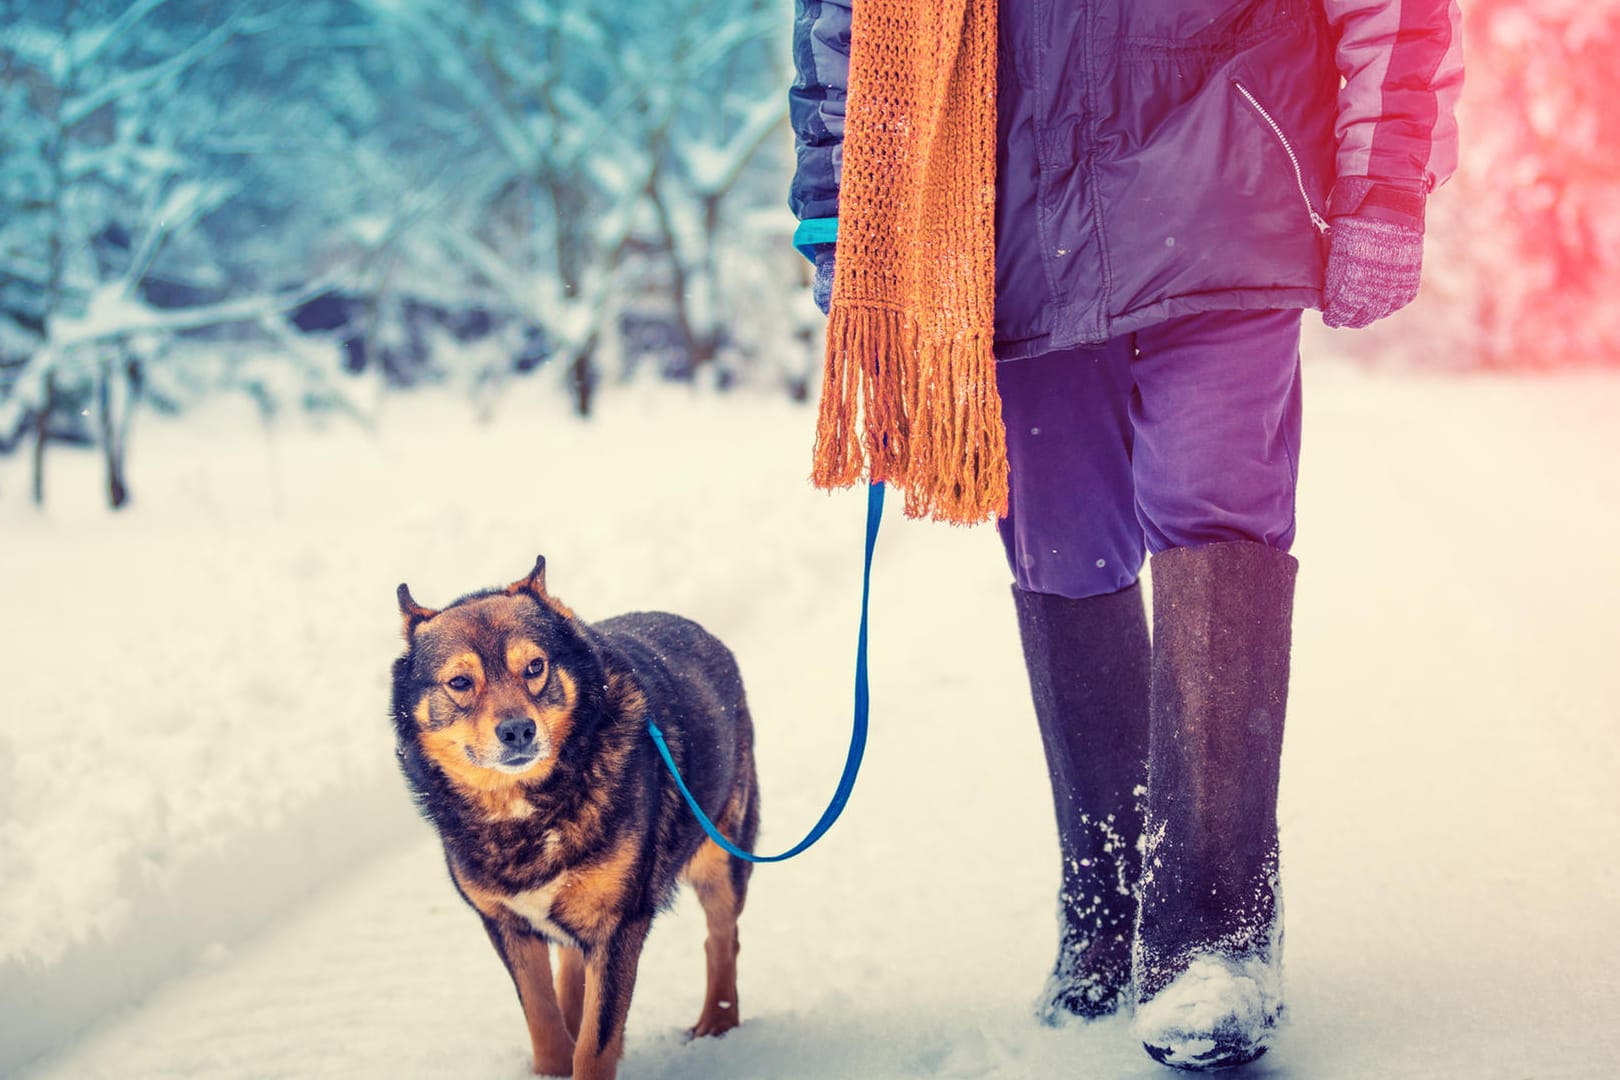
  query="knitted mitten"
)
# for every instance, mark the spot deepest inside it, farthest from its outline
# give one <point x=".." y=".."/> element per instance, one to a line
<point x="1375" y="257"/>
<point x="821" y="287"/>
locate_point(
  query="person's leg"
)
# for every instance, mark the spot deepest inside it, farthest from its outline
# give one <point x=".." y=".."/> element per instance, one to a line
<point x="1075" y="550"/>
<point x="1071" y="527"/>
<point x="1217" y="417"/>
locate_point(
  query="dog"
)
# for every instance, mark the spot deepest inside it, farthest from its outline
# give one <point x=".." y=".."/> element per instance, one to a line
<point x="522" y="734"/>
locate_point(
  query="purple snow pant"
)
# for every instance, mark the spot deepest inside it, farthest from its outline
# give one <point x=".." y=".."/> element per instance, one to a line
<point x="1182" y="434"/>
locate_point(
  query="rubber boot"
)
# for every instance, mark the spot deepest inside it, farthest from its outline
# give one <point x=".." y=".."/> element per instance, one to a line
<point x="1088" y="673"/>
<point x="1209" y="940"/>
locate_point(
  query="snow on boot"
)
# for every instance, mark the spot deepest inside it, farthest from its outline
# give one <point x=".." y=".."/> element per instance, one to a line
<point x="1218" y="1013"/>
<point x="1209" y="949"/>
<point x="1088" y="673"/>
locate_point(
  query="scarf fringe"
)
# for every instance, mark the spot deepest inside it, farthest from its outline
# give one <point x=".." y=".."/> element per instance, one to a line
<point x="939" y="438"/>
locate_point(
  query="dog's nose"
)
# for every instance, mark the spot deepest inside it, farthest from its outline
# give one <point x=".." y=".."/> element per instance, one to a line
<point x="516" y="733"/>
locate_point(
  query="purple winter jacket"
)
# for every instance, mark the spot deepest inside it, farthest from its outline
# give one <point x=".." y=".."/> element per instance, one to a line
<point x="1157" y="158"/>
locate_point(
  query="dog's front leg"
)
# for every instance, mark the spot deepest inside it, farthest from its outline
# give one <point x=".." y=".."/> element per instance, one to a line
<point x="571" y="986"/>
<point x="610" y="978"/>
<point x="528" y="957"/>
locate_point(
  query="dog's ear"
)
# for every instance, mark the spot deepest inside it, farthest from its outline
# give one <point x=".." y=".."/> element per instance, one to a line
<point x="535" y="586"/>
<point x="534" y="583"/>
<point x="415" y="614"/>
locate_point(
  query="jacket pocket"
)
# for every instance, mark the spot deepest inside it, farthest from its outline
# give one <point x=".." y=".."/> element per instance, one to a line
<point x="1293" y="159"/>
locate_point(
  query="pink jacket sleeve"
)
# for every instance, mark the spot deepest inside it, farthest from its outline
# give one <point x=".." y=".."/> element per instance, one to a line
<point x="1403" y="70"/>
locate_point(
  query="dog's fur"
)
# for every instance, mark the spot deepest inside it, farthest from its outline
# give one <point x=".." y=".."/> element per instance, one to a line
<point x="580" y="847"/>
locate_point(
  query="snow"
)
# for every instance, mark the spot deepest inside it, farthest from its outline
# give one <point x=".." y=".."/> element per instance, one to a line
<point x="209" y="866"/>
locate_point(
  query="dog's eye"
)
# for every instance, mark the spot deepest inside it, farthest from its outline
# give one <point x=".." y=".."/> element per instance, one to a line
<point x="460" y="684"/>
<point x="536" y="668"/>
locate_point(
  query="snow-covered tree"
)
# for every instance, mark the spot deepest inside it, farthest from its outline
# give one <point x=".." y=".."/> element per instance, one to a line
<point x="525" y="106"/>
<point x="116" y="120"/>
<point x="606" y="155"/>
<point x="1523" y="260"/>
<point x="457" y="189"/>
<point x="714" y="103"/>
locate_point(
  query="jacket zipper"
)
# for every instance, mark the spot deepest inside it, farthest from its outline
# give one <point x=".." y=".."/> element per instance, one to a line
<point x="1299" y="173"/>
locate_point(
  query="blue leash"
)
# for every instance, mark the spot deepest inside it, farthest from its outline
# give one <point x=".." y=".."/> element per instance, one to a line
<point x="857" y="738"/>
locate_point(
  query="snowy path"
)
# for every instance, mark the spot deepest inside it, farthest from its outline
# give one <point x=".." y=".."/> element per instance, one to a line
<point x="1451" y="826"/>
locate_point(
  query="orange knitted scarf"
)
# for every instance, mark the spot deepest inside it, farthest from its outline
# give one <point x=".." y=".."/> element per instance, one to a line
<point x="910" y="332"/>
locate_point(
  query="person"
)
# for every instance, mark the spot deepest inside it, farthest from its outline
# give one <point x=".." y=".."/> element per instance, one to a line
<point x="1173" y="185"/>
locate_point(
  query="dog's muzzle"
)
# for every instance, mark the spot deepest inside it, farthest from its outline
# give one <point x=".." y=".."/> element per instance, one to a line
<point x="523" y="742"/>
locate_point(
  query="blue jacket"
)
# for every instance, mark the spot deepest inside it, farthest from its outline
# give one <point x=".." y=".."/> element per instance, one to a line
<point x="1157" y="158"/>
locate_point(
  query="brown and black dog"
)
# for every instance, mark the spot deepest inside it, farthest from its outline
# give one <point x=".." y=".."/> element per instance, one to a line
<point x="523" y="736"/>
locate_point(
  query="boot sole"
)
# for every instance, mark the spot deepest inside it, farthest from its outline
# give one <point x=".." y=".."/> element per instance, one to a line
<point x="1221" y="1056"/>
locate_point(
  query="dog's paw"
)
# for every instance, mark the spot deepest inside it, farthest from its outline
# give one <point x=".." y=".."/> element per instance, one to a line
<point x="716" y="1020"/>
<point x="553" y="1067"/>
